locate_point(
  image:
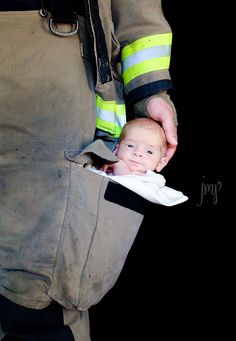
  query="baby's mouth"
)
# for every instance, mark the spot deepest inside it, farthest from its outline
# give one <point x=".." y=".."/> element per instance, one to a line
<point x="136" y="163"/>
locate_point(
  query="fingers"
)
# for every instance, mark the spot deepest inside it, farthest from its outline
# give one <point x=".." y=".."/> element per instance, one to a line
<point x="170" y="131"/>
<point x="105" y="167"/>
<point x="160" y="111"/>
<point x="170" y="151"/>
<point x="171" y="137"/>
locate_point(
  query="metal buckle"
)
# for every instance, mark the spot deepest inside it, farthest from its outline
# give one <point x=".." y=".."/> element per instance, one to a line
<point x="74" y="28"/>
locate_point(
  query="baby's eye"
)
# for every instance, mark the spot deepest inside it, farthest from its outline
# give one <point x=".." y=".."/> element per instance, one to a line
<point x="130" y="146"/>
<point x="149" y="151"/>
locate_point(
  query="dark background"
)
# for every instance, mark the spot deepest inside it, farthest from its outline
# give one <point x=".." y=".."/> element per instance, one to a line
<point x="177" y="279"/>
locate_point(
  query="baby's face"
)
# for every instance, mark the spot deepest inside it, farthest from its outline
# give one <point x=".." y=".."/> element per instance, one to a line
<point x="140" y="149"/>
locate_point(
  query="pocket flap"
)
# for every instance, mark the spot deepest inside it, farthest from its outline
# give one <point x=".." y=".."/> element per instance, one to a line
<point x="95" y="153"/>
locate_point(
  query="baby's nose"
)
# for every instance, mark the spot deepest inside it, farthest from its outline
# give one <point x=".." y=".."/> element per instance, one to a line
<point x="138" y="152"/>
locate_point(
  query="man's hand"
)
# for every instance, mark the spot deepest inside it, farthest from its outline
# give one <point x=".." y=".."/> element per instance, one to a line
<point x="159" y="110"/>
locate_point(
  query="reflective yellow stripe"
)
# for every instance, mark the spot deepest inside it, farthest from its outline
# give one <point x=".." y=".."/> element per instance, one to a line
<point x="111" y="117"/>
<point x="146" y="42"/>
<point x="106" y="126"/>
<point x="120" y="109"/>
<point x="118" y="131"/>
<point x="145" y="55"/>
<point x="105" y="105"/>
<point x="113" y="129"/>
<point x="154" y="64"/>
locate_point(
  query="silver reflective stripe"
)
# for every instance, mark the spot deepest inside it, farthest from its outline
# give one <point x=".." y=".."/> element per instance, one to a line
<point x="146" y="54"/>
<point x="120" y="120"/>
<point x="105" y="115"/>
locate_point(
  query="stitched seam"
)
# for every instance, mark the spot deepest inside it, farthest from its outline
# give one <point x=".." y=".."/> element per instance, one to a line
<point x="91" y="243"/>
<point x="60" y="240"/>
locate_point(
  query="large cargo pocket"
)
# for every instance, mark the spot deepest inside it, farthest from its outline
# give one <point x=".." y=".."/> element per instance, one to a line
<point x="101" y="222"/>
<point x="120" y="213"/>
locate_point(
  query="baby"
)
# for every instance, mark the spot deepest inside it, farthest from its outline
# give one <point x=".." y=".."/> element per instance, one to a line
<point x="142" y="146"/>
<point x="141" y="155"/>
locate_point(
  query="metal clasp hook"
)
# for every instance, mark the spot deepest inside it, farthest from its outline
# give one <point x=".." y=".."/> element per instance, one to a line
<point x="43" y="12"/>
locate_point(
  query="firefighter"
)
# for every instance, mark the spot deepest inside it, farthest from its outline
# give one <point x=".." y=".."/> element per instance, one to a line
<point x="69" y="70"/>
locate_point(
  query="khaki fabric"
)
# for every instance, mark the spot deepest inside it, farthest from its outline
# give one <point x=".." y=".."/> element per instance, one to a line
<point x="43" y="113"/>
<point x="61" y="237"/>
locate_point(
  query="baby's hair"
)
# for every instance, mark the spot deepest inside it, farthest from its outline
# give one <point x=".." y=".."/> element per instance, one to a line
<point x="145" y="123"/>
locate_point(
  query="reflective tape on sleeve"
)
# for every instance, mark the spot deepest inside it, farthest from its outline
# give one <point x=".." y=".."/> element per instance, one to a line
<point x="111" y="116"/>
<point x="145" y="55"/>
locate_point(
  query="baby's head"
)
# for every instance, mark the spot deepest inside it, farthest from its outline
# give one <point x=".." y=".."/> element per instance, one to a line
<point x="142" y="145"/>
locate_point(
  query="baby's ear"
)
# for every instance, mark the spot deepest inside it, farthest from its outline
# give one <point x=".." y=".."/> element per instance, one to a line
<point x="162" y="163"/>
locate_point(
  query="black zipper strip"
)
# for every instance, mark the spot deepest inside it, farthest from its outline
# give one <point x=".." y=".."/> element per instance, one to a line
<point x="91" y="39"/>
<point x="97" y="32"/>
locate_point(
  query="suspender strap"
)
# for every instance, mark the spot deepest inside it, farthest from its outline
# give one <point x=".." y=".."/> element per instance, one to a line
<point x="62" y="11"/>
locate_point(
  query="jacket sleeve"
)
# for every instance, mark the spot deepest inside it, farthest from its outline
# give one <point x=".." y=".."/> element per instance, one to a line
<point x="145" y="38"/>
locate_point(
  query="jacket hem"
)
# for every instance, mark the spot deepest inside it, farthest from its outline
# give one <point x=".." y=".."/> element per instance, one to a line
<point x="25" y="303"/>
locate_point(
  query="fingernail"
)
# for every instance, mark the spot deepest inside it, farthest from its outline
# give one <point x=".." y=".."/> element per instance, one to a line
<point x="174" y="140"/>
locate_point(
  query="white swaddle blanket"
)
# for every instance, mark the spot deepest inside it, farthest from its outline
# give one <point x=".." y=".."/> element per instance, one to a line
<point x="150" y="186"/>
